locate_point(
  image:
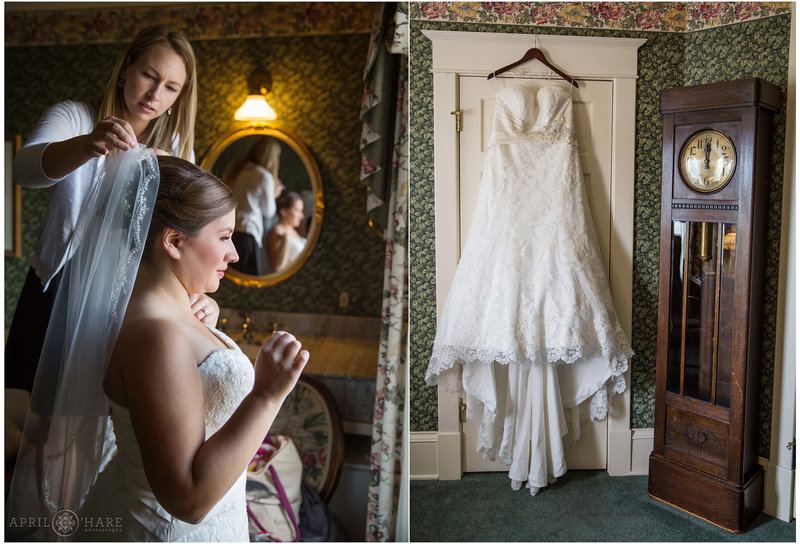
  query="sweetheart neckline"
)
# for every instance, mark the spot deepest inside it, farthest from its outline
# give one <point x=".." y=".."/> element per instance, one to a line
<point x="225" y="340"/>
<point x="218" y="350"/>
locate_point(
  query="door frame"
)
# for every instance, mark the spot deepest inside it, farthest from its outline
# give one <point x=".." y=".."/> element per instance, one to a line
<point x="458" y="54"/>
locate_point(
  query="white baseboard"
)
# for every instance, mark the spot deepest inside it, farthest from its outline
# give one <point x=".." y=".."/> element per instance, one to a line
<point x="641" y="448"/>
<point x="629" y="452"/>
<point x="778" y="490"/>
<point x="432" y="454"/>
<point x="450" y="456"/>
<point x="424" y="455"/>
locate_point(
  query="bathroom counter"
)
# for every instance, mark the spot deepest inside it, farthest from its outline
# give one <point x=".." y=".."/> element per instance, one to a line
<point x="334" y="356"/>
<point x="344" y="354"/>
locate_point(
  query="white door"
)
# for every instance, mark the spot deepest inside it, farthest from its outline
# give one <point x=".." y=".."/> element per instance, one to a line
<point x="592" y="106"/>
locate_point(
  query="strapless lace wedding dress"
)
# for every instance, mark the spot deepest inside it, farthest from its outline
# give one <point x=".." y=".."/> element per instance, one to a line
<point x="528" y="333"/>
<point x="121" y="505"/>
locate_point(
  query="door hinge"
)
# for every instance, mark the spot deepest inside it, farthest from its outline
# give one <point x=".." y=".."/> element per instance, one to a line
<point x="462" y="411"/>
<point x="790" y="445"/>
<point x="457" y="113"/>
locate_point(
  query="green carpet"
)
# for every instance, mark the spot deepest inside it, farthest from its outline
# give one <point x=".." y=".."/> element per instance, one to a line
<point x="583" y="506"/>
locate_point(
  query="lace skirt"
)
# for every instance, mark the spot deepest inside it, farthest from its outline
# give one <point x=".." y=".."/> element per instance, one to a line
<point x="558" y="311"/>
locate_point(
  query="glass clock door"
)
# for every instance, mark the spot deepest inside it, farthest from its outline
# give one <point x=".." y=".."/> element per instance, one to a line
<point x="701" y="303"/>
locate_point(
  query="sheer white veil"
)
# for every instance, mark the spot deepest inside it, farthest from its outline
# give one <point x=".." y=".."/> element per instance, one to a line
<point x="64" y="437"/>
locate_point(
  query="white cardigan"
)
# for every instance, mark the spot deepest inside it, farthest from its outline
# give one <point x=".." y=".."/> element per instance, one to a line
<point x="61" y="122"/>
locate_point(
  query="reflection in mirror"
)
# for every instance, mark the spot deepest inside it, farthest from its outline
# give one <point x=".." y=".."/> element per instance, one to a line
<point x="279" y="190"/>
<point x="255" y="181"/>
<point x="285" y="240"/>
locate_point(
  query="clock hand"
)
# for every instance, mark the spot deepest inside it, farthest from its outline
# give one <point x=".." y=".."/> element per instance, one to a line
<point x="707" y="150"/>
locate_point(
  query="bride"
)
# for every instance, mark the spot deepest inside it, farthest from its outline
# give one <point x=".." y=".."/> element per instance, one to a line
<point x="188" y="409"/>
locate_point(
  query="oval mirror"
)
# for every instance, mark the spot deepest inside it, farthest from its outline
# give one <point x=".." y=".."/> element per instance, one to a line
<point x="279" y="188"/>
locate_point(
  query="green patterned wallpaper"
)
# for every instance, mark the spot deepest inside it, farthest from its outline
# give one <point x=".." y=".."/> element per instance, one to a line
<point x="317" y="93"/>
<point x="756" y="48"/>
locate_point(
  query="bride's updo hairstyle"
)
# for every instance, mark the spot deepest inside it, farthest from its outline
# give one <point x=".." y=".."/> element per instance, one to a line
<point x="188" y="199"/>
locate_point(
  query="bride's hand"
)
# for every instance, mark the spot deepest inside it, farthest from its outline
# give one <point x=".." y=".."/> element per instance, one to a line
<point x="205" y="309"/>
<point x="279" y="363"/>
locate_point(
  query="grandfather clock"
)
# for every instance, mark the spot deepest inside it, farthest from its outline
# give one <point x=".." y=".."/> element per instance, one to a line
<point x="715" y="181"/>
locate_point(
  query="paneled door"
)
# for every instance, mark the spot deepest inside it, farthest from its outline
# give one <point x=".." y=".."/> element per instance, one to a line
<point x="592" y="107"/>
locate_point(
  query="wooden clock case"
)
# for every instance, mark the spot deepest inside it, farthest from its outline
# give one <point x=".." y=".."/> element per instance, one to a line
<point x="705" y="458"/>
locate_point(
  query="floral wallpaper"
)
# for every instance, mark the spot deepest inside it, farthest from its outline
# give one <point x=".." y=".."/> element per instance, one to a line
<point x="652" y="16"/>
<point x="754" y="48"/>
<point x="317" y="93"/>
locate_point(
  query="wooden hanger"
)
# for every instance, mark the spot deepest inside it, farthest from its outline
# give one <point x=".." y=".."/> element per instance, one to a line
<point x="531" y="54"/>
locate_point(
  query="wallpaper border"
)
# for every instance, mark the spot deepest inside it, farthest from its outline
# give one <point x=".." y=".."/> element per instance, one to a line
<point x="643" y="16"/>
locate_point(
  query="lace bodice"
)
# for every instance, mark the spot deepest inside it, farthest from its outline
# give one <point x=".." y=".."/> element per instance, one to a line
<point x="227" y="376"/>
<point x="122" y="490"/>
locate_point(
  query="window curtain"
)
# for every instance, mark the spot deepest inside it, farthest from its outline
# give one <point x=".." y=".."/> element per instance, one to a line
<point x="385" y="173"/>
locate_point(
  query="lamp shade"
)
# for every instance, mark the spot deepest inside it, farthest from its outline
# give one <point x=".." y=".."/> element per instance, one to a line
<point x="255" y="108"/>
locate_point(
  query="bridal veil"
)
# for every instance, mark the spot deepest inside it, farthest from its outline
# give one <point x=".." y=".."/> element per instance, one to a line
<point x="64" y="437"/>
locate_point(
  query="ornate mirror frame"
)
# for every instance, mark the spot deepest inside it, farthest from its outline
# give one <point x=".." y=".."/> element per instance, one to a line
<point x="314" y="175"/>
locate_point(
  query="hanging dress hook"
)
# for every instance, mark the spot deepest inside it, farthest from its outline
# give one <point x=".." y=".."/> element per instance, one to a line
<point x="531" y="54"/>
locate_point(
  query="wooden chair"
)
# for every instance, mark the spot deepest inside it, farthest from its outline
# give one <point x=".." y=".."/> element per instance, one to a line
<point x="310" y="417"/>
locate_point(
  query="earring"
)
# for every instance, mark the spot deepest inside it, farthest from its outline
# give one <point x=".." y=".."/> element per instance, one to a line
<point x="169" y="110"/>
<point x="121" y="82"/>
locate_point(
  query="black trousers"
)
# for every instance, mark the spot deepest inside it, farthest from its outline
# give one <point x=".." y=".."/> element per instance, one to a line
<point x="27" y="331"/>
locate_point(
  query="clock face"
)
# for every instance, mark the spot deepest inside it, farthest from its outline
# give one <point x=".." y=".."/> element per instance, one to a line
<point x="707" y="161"/>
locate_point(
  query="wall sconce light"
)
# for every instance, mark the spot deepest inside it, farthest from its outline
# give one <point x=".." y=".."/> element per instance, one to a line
<point x="256" y="108"/>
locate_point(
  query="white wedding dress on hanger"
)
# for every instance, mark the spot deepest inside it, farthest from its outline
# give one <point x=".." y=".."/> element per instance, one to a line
<point x="528" y="333"/>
